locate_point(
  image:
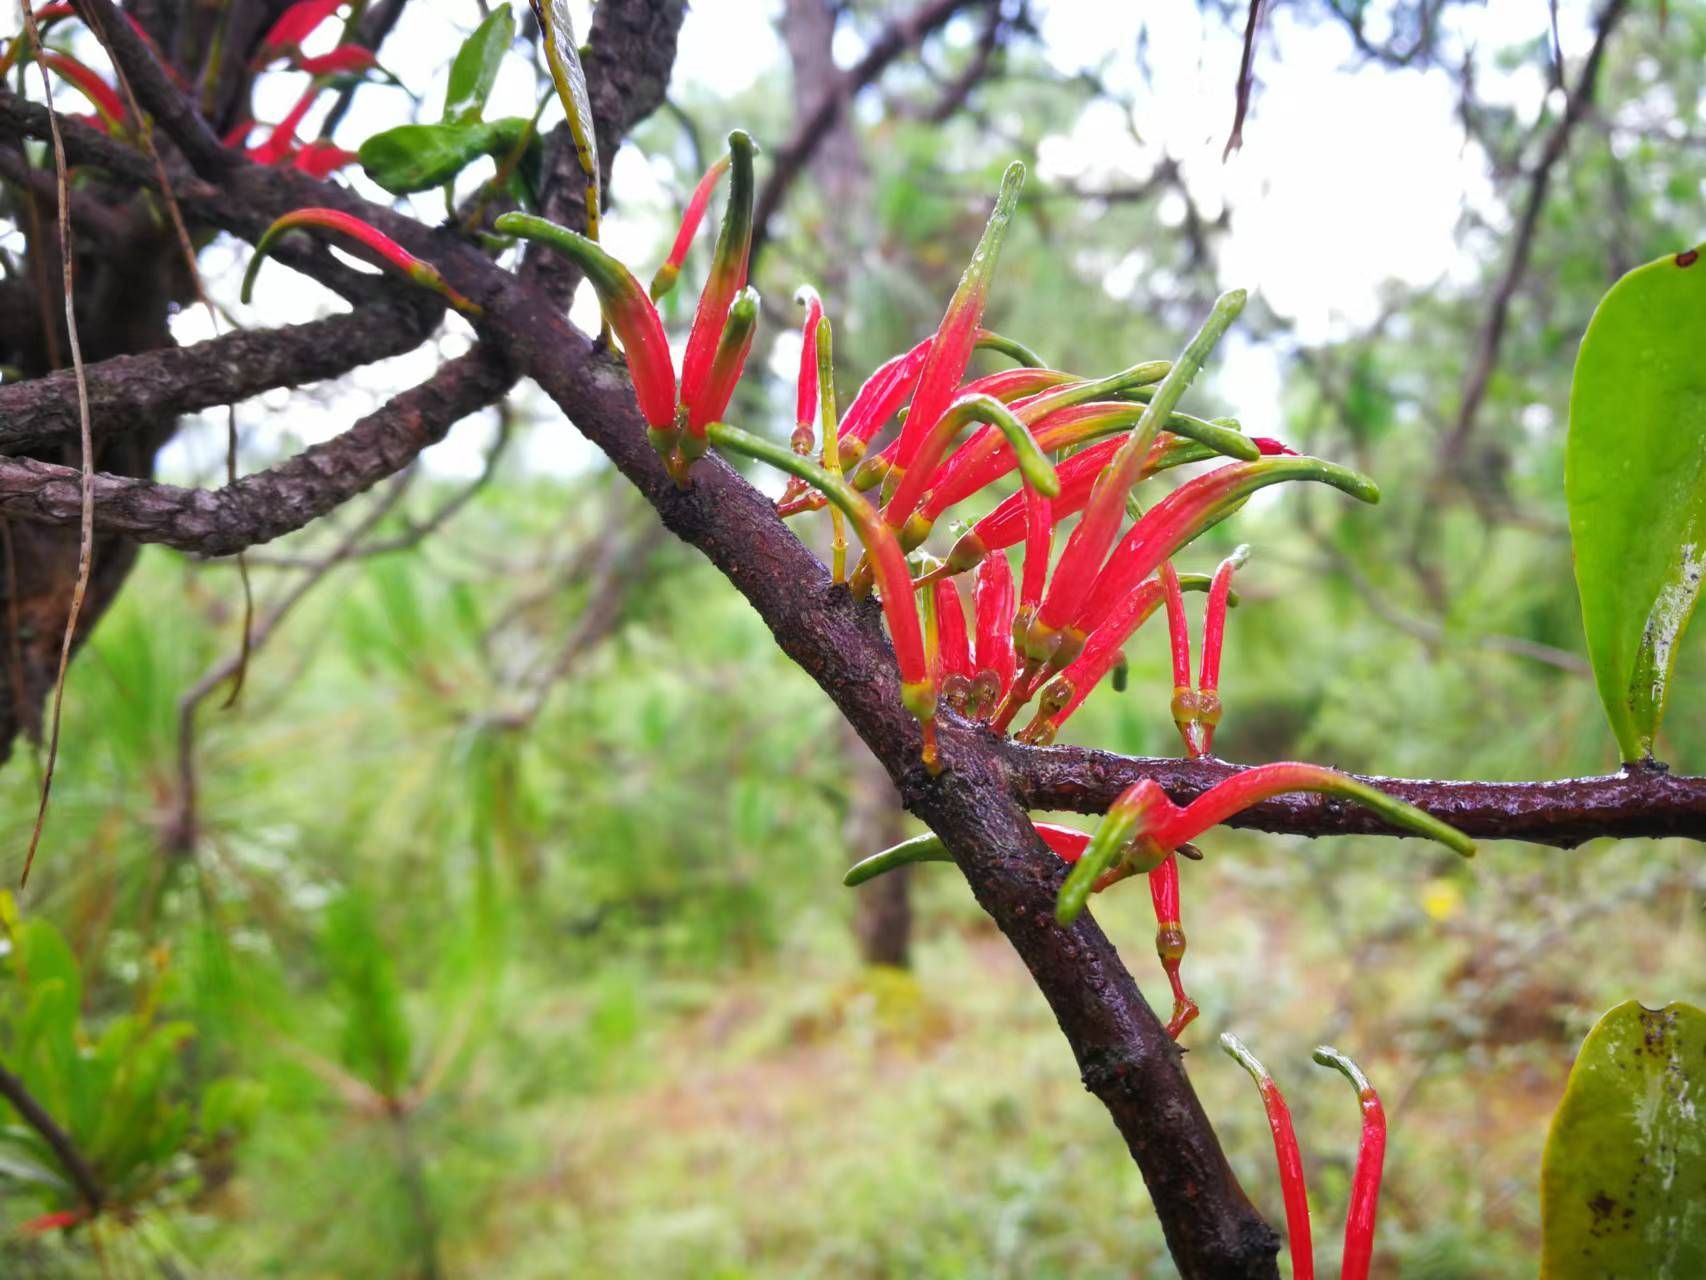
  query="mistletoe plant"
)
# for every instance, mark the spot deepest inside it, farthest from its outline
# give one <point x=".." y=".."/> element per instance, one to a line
<point x="1061" y="633"/>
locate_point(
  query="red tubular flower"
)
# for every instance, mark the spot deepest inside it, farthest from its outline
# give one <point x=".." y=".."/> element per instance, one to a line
<point x="882" y="394"/>
<point x="375" y="241"/>
<point x="60" y="1221"/>
<point x="1272" y="448"/>
<point x="877" y="400"/>
<point x="1005" y="525"/>
<point x="1067" y="691"/>
<point x="1213" y="636"/>
<point x="726" y="367"/>
<point x="630" y="313"/>
<point x="727" y="276"/>
<point x="1104" y="512"/>
<point x="1371" y="1157"/>
<point x="1143" y="826"/>
<point x="954" y="650"/>
<point x="805" y="400"/>
<point x="1039" y="545"/>
<point x="920" y="446"/>
<point x="318" y="159"/>
<point x="1179" y="644"/>
<point x="96" y="90"/>
<point x="1286" y="1154"/>
<point x="346" y="59"/>
<point x="296" y="24"/>
<point x="1170" y="940"/>
<point x="985" y="458"/>
<point x="666" y="275"/>
<point x="282" y="140"/>
<point x="992" y="597"/>
<point x="1263" y="782"/>
<point x="1180" y="517"/>
<point x="1011" y="385"/>
<point x="888" y="561"/>
<point x="1101" y="654"/>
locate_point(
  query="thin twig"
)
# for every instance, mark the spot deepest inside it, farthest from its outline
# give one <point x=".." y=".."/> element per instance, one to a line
<point x="86" y="522"/>
<point x="1246" y="81"/>
<point x="35" y="1115"/>
<point x="1492" y="337"/>
<point x="182" y="833"/>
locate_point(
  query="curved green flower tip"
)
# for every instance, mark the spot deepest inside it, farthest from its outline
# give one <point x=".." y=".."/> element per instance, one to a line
<point x="1236" y="1050"/>
<point x="664" y="280"/>
<point x="925" y="848"/>
<point x="1034" y="464"/>
<point x="376" y="241"/>
<point x="1214" y="435"/>
<point x="1327" y="1056"/>
<point x="1202" y="582"/>
<point x="1400" y="813"/>
<point x="1112" y="835"/>
<point x="988" y="340"/>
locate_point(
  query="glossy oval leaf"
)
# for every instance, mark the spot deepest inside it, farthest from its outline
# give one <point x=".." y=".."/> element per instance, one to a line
<point x="564" y="59"/>
<point x="418" y="157"/>
<point x="475" y="70"/>
<point x="1636" y="486"/>
<point x="1623" y="1182"/>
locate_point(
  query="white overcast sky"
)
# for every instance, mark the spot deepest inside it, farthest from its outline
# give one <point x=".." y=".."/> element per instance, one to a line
<point x="1349" y="176"/>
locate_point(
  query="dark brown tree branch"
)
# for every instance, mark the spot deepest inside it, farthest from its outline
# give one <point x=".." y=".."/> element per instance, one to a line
<point x="132" y="390"/>
<point x="174" y="113"/>
<point x="278" y="500"/>
<point x="1638" y="802"/>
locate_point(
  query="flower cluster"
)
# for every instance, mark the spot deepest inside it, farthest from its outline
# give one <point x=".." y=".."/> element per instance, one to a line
<point x="1078" y="447"/>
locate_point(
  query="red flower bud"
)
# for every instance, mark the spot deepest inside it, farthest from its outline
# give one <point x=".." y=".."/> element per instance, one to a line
<point x="1292" y="1186"/>
<point x="1181" y="516"/>
<point x="726" y="278"/>
<point x="375" y="241"/>
<point x="281" y="142"/>
<point x="992" y="595"/>
<point x="318" y="159"/>
<point x="951" y="350"/>
<point x="726" y="364"/>
<point x="1103" y="514"/>
<point x="1371" y="1157"/>
<point x="805" y="398"/>
<point x="666" y="275"/>
<point x="346" y="59"/>
<point x="296" y="24"/>
<point x="953" y="650"/>
<point x="627" y="308"/>
<point x="96" y="90"/>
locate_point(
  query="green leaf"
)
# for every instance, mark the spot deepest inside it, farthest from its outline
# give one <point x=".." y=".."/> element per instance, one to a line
<point x="1636" y="486"/>
<point x="418" y="157"/>
<point x="1623" y="1181"/>
<point x="569" y="76"/>
<point x="475" y="70"/>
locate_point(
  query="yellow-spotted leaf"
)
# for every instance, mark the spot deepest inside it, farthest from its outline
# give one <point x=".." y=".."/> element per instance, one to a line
<point x="564" y="59"/>
<point x="1623" y="1181"/>
<point x="1635" y="480"/>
